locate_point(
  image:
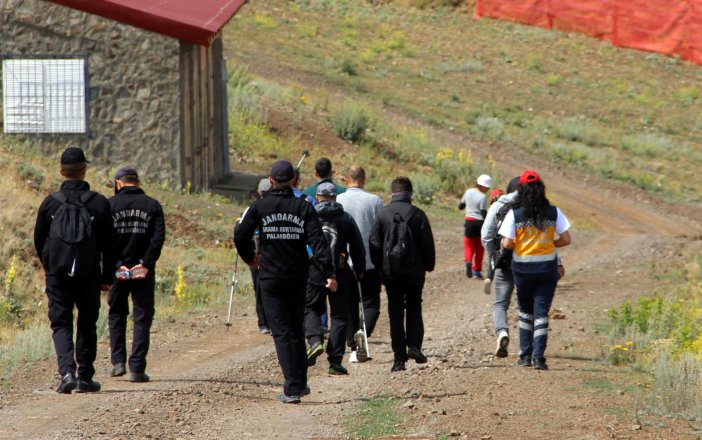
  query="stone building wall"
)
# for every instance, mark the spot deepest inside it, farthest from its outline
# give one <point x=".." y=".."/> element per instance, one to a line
<point x="133" y="83"/>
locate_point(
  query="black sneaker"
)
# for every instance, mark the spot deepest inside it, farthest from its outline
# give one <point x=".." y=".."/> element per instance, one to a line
<point x="540" y="364"/>
<point x="264" y="330"/>
<point x="469" y="271"/>
<point x="67" y="384"/>
<point x="87" y="386"/>
<point x="417" y="355"/>
<point x="139" y="377"/>
<point x="118" y="369"/>
<point x="288" y="399"/>
<point x="306" y="391"/>
<point x="313" y="353"/>
<point x="398" y="366"/>
<point x="337" y="370"/>
<point x="524" y="361"/>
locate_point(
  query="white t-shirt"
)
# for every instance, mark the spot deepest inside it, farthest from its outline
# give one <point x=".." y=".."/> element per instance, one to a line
<point x="508" y="228"/>
<point x="475" y="202"/>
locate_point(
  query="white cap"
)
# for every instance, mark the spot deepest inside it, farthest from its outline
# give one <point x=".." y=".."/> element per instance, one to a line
<point x="484" y="180"/>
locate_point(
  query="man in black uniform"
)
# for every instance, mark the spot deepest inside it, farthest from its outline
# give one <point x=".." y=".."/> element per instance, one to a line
<point x="73" y="233"/>
<point x="286" y="224"/>
<point x="404" y="280"/>
<point x="341" y="233"/>
<point x="141" y="230"/>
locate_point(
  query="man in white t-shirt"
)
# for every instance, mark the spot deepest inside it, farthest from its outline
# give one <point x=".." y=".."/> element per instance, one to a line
<point x="475" y="202"/>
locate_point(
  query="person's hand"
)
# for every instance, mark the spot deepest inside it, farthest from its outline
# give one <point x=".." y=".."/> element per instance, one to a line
<point x="120" y="273"/>
<point x="105" y="287"/>
<point x="139" y="272"/>
<point x="331" y="284"/>
<point x="253" y="262"/>
<point x="561" y="271"/>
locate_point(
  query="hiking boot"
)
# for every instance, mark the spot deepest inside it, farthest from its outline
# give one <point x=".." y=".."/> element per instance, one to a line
<point x="306" y="391"/>
<point x="139" y="377"/>
<point x="502" y="343"/>
<point x="313" y="353"/>
<point x="398" y="366"/>
<point x="288" y="399"/>
<point x="486" y="286"/>
<point x="353" y="358"/>
<point x="337" y="369"/>
<point x="67" y="384"/>
<point x="118" y="369"/>
<point x="540" y="364"/>
<point x="477" y="275"/>
<point x="264" y="330"/>
<point x="87" y="386"/>
<point x="361" y="349"/>
<point x="469" y="272"/>
<point x="417" y="355"/>
<point x="524" y="361"/>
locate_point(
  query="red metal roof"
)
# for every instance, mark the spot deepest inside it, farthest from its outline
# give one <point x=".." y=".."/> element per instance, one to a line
<point x="196" y="21"/>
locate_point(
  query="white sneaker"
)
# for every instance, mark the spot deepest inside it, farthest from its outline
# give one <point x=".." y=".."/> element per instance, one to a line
<point x="352" y="358"/>
<point x="486" y="285"/>
<point x="502" y="343"/>
<point x="361" y="349"/>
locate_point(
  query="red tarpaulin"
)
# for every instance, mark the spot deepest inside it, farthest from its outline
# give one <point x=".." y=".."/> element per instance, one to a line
<point x="672" y="27"/>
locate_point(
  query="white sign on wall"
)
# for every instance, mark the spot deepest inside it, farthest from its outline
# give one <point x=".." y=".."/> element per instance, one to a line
<point x="44" y="95"/>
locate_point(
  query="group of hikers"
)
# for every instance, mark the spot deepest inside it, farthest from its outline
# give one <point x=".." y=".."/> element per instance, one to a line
<point x="329" y="244"/>
<point x="338" y="244"/>
<point x="520" y="232"/>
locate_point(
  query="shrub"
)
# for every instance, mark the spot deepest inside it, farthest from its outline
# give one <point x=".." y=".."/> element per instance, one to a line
<point x="424" y="187"/>
<point x="492" y="127"/>
<point x="578" y="130"/>
<point x="647" y="144"/>
<point x="30" y="174"/>
<point x="350" y="121"/>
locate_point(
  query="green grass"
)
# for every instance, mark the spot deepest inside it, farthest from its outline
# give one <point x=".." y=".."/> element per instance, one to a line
<point x="498" y="81"/>
<point x="376" y="417"/>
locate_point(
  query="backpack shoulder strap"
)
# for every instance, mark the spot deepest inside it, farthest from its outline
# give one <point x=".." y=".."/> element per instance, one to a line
<point x="86" y="196"/>
<point x="58" y="195"/>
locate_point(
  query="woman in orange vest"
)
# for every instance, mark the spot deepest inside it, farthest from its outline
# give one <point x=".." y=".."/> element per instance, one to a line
<point x="534" y="231"/>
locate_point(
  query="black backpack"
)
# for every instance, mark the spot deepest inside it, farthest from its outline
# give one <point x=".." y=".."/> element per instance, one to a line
<point x="400" y="253"/>
<point x="502" y="258"/>
<point x="331" y="234"/>
<point x="72" y="245"/>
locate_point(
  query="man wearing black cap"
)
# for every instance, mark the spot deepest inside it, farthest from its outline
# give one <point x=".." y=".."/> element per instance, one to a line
<point x="141" y="230"/>
<point x="287" y="224"/>
<point x="343" y="238"/>
<point x="72" y="235"/>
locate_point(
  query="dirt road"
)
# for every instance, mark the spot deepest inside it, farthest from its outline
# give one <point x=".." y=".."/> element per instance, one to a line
<point x="209" y="383"/>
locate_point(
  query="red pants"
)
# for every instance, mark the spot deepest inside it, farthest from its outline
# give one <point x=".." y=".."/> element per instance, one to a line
<point x="473" y="251"/>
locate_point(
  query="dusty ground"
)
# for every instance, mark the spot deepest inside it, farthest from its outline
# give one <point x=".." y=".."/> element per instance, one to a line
<point x="209" y="383"/>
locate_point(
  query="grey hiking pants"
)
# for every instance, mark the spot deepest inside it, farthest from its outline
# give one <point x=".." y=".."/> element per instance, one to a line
<point x="504" y="286"/>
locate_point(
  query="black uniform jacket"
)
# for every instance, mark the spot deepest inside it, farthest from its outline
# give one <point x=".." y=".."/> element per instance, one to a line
<point x="139" y="225"/>
<point x="287" y="224"/>
<point x="99" y="208"/>
<point x="425" y="256"/>
<point x="349" y="239"/>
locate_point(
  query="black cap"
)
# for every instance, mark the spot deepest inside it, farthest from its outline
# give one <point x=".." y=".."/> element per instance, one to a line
<point x="126" y="171"/>
<point x="282" y="171"/>
<point x="73" y="155"/>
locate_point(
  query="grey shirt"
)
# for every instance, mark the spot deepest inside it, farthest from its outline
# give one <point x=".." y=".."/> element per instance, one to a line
<point x="363" y="207"/>
<point x="490" y="225"/>
<point x="475" y="202"/>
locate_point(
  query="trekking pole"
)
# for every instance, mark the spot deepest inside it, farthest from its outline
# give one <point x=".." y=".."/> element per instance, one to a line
<point x="305" y="153"/>
<point x="363" y="320"/>
<point x="231" y="292"/>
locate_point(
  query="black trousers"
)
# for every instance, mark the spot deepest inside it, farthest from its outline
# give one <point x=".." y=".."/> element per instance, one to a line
<point x="370" y="288"/>
<point x="405" y="313"/>
<point x="338" y="312"/>
<point x="260" y="313"/>
<point x="63" y="294"/>
<point x="284" y="301"/>
<point x="142" y="292"/>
